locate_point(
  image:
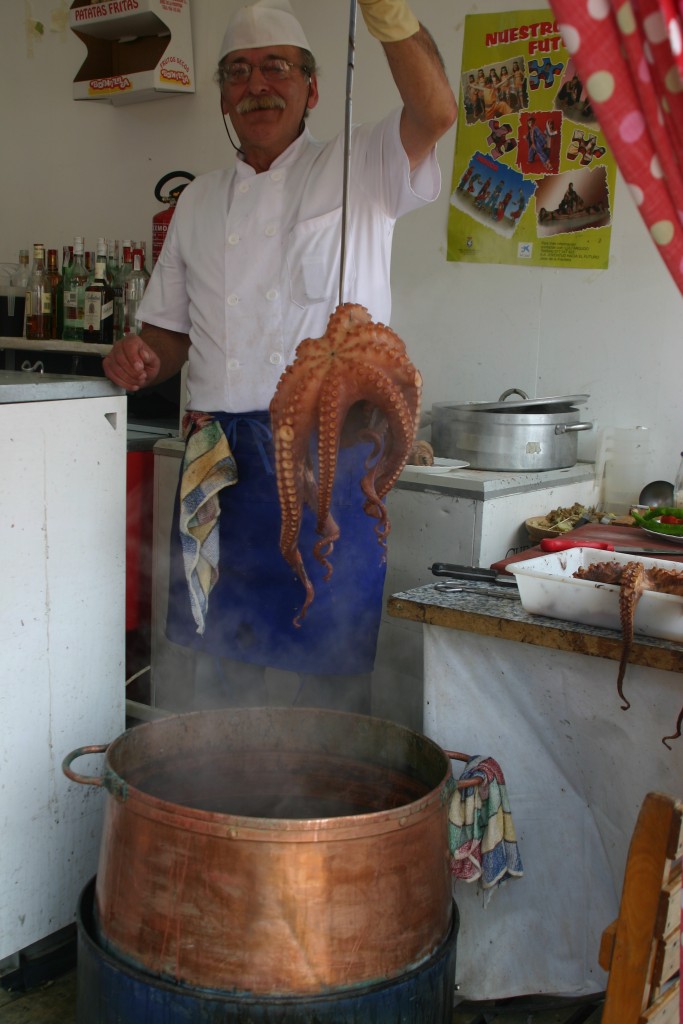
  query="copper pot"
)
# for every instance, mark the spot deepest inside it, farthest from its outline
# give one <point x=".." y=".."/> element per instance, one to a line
<point x="281" y="851"/>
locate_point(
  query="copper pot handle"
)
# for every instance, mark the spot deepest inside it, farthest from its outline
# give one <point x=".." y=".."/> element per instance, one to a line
<point x="456" y="755"/>
<point x="85" y="780"/>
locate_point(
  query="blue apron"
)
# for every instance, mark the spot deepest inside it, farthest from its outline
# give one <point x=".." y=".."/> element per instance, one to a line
<point x="257" y="596"/>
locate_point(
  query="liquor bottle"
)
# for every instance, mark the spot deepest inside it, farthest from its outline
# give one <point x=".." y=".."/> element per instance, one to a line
<point x="98" y="305"/>
<point x="119" y="291"/>
<point x="134" y="290"/>
<point x="38" y="306"/>
<point x="112" y="259"/>
<point x="75" y="295"/>
<point x="56" y="293"/>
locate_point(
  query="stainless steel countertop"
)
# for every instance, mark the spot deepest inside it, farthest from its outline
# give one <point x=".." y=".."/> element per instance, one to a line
<point x="482" y="484"/>
<point x="17" y="386"/>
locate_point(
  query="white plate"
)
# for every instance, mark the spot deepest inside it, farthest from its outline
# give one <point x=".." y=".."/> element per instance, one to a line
<point x="676" y="540"/>
<point x="440" y="467"/>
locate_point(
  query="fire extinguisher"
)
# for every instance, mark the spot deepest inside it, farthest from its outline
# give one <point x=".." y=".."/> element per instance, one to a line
<point x="161" y="220"/>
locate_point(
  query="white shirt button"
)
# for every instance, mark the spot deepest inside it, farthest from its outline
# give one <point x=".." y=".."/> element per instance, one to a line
<point x="234" y="238"/>
<point x="233" y="300"/>
<point x="233" y="364"/>
<point x="272" y="294"/>
<point x="277" y="175"/>
<point x="275" y="358"/>
<point x="271" y="230"/>
<point x="243" y="187"/>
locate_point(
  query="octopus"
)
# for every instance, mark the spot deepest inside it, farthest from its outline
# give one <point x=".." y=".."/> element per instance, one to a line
<point x="421" y="454"/>
<point x="355" y="384"/>
<point x="633" y="579"/>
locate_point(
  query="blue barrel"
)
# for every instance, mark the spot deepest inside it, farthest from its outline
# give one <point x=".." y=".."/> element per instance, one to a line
<point x="112" y="992"/>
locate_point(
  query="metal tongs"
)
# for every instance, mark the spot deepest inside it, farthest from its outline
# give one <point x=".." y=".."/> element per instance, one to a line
<point x="347" y="143"/>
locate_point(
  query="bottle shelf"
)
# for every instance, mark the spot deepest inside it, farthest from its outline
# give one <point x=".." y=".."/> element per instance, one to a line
<point x="78" y="348"/>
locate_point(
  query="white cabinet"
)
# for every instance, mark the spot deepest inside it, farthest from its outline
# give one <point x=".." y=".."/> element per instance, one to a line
<point x="470" y="517"/>
<point x="62" y="634"/>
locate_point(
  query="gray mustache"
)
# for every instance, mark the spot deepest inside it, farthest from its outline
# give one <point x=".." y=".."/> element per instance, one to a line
<point x="250" y="103"/>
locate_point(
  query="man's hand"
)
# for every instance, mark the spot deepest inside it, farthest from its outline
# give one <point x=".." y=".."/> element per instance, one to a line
<point x="131" y="363"/>
<point x="429" y="107"/>
<point x="390" y="21"/>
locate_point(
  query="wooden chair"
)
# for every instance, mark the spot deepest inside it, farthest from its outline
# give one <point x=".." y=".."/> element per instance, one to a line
<point x="641" y="949"/>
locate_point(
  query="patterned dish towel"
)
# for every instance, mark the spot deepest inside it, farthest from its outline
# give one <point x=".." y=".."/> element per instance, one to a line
<point x="208" y="466"/>
<point x="481" y="833"/>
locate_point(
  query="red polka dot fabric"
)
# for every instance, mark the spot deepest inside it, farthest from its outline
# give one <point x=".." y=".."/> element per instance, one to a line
<point x="629" y="56"/>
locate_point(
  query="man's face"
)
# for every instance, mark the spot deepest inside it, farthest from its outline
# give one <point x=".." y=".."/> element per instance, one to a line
<point x="272" y="128"/>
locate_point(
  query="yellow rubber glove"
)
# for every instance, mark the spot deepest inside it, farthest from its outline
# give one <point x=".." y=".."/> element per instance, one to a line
<point x="389" y="20"/>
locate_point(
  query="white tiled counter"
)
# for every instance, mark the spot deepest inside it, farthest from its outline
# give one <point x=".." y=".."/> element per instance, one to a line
<point x="539" y="695"/>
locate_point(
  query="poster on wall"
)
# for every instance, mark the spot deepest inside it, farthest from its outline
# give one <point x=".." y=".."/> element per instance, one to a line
<point x="533" y="178"/>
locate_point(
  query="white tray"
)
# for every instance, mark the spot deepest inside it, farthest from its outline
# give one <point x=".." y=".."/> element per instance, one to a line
<point x="546" y="587"/>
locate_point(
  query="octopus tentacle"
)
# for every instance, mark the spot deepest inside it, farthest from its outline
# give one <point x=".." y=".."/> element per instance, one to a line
<point x="356" y="378"/>
<point x="633" y="579"/>
<point x="677" y="734"/>
<point x="632" y="587"/>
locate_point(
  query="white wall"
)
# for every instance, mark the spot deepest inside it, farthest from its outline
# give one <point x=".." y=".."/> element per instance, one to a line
<point x="89" y="168"/>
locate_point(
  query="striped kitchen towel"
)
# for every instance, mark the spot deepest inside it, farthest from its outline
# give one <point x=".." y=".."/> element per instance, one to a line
<point x="208" y="466"/>
<point x="481" y="833"/>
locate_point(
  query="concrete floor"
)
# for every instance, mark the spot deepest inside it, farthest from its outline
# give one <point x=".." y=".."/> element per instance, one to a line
<point x="53" y="1002"/>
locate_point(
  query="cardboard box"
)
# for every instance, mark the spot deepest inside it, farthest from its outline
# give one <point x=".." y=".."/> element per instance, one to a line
<point x="137" y="49"/>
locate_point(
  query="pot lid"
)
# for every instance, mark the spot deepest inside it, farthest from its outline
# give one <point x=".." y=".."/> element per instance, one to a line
<point x="525" y="405"/>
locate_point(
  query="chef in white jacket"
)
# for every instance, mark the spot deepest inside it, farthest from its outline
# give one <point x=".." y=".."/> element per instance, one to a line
<point x="250" y="267"/>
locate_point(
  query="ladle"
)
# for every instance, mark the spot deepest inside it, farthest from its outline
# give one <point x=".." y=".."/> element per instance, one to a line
<point x="658" y="494"/>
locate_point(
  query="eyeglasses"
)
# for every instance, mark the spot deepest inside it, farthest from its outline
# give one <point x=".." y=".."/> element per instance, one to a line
<point x="274" y="70"/>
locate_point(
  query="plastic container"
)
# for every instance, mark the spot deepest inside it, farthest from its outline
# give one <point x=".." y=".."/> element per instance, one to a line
<point x="12" y="306"/>
<point x="678" y="485"/>
<point x="547" y="587"/>
<point x="622" y="467"/>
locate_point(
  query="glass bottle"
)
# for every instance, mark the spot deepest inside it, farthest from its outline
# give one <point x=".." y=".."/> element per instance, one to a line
<point x="98" y="304"/>
<point x="56" y="293"/>
<point x="119" y="291"/>
<point x="678" y="485"/>
<point x="38" y="306"/>
<point x="135" y="286"/>
<point x="74" y="297"/>
<point x="112" y="259"/>
<point x="19" y="278"/>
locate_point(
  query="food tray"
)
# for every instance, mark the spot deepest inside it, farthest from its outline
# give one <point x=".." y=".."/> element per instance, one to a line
<point x="546" y="587"/>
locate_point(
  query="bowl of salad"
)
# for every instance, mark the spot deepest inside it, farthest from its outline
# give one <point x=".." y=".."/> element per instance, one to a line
<point x="662" y="522"/>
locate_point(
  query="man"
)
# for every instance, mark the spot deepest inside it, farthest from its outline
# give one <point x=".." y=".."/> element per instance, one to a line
<point x="249" y="269"/>
<point x="537" y="145"/>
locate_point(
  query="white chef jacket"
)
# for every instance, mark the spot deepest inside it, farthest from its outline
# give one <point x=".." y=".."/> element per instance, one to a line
<point x="250" y="265"/>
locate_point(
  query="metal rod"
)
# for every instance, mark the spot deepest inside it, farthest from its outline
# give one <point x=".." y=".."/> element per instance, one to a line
<point x="347" y="142"/>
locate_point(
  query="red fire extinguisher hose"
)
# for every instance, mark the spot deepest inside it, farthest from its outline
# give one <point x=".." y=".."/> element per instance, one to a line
<point x="161" y="220"/>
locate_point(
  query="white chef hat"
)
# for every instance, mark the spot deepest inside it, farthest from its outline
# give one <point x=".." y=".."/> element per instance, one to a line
<point x="264" y="23"/>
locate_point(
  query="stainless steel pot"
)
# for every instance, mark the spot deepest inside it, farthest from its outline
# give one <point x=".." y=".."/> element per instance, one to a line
<point x="532" y="434"/>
